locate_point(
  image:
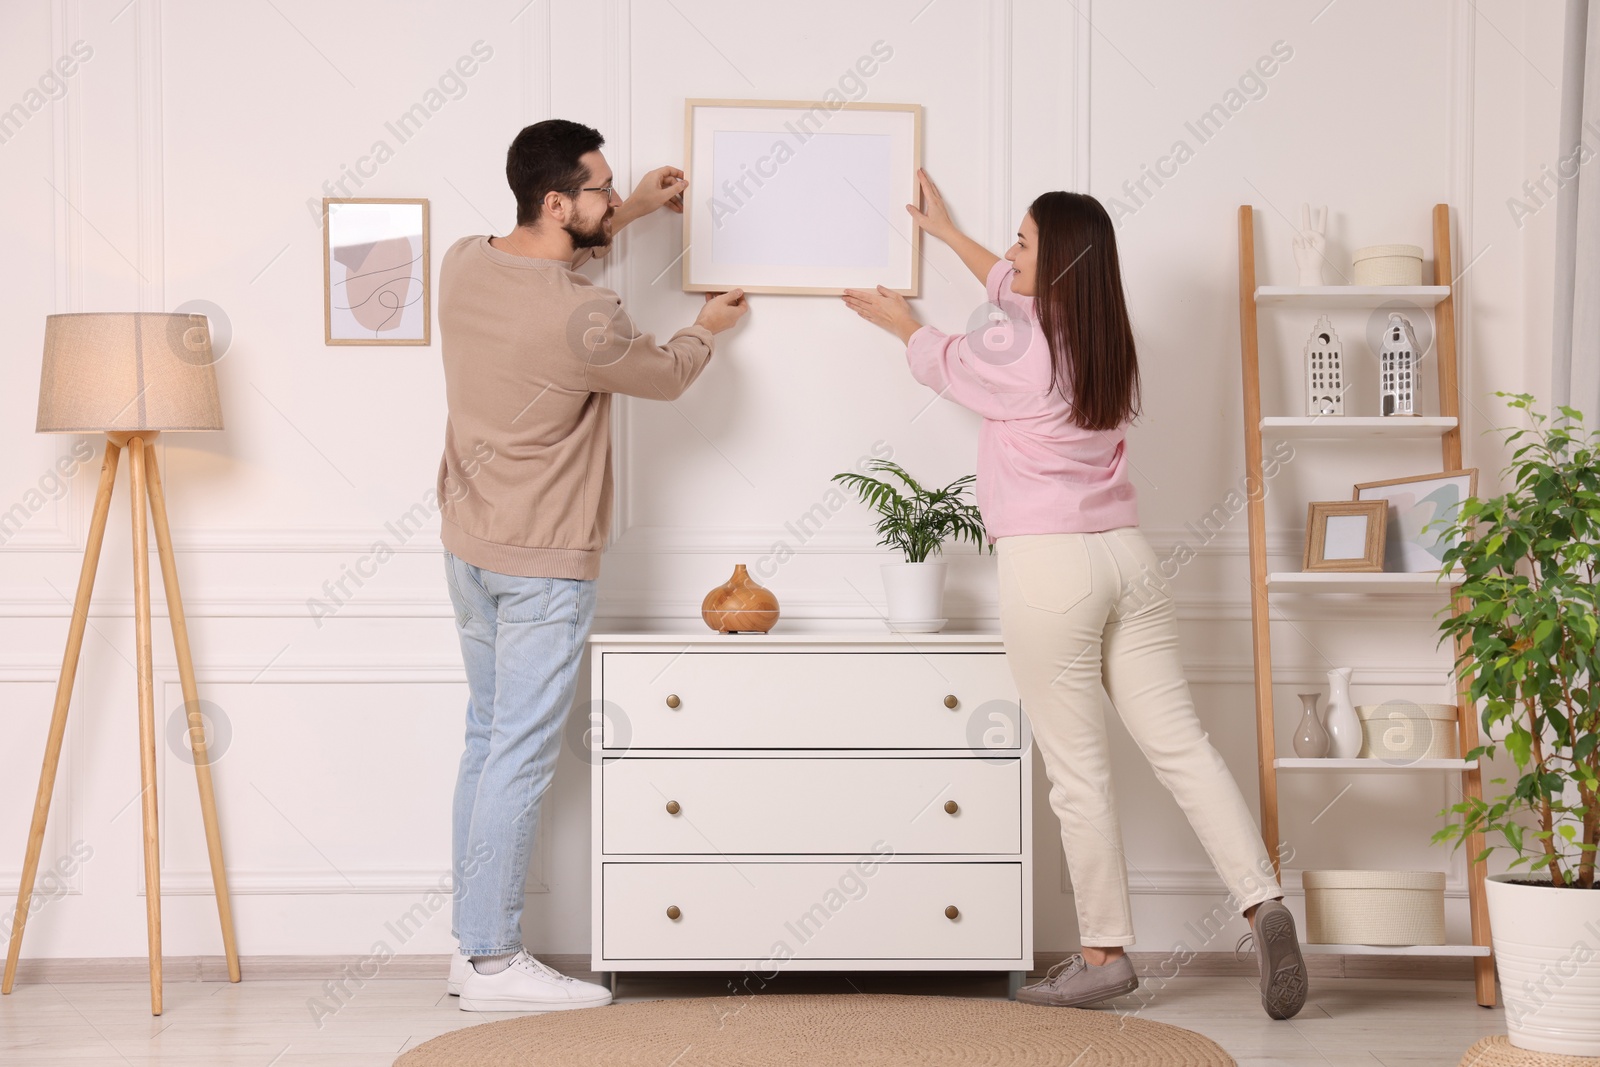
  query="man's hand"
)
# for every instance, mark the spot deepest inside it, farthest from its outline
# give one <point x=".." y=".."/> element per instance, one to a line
<point x="884" y="307"/>
<point x="722" y="310"/>
<point x="663" y="186"/>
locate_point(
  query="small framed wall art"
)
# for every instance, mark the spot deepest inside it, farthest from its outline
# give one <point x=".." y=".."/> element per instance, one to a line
<point x="1419" y="509"/>
<point x="375" y="287"/>
<point x="800" y="197"/>
<point x="1345" y="535"/>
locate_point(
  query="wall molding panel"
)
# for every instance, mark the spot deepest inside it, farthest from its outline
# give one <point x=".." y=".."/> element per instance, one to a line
<point x="381" y="678"/>
<point x="60" y="830"/>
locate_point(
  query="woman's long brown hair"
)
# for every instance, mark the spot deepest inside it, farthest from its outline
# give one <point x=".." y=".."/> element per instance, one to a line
<point x="1078" y="296"/>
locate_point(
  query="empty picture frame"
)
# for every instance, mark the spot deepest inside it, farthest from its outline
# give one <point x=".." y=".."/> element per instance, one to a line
<point x="1419" y="509"/>
<point x="1345" y="535"/>
<point x="375" y="272"/>
<point x="797" y="197"/>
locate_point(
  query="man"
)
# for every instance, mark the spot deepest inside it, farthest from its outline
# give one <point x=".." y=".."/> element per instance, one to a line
<point x="532" y="353"/>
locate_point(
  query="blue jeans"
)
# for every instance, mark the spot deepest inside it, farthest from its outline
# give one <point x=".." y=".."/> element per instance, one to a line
<point x="521" y="639"/>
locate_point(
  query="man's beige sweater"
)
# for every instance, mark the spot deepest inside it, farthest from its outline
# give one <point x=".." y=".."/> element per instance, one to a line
<point x="532" y="353"/>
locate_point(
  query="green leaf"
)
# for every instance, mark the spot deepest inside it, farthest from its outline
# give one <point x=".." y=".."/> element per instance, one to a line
<point x="920" y="521"/>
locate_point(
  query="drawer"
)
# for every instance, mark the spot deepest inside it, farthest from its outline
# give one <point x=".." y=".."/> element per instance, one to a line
<point x="853" y="700"/>
<point x="756" y="911"/>
<point x="818" y="805"/>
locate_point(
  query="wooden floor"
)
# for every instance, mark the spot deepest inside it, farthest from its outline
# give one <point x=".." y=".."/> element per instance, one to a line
<point x="271" y="1022"/>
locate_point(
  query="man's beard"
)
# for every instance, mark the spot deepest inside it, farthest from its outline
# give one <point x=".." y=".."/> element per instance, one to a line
<point x="595" y="238"/>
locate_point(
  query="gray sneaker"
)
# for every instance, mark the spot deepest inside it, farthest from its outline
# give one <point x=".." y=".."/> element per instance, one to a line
<point x="1074" y="982"/>
<point x="1283" y="969"/>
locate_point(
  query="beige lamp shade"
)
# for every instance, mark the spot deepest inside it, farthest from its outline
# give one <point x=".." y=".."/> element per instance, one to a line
<point x="127" y="371"/>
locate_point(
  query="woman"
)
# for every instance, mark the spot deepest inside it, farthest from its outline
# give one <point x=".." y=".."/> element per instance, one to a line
<point x="1082" y="604"/>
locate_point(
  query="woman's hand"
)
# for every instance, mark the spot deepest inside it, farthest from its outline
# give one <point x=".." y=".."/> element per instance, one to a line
<point x="884" y="307"/>
<point x="933" y="217"/>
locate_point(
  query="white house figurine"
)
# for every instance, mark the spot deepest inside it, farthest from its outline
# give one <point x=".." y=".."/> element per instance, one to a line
<point x="1397" y="366"/>
<point x="1324" y="370"/>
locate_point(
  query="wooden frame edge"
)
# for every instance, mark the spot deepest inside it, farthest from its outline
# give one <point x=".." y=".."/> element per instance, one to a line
<point x="1318" y="512"/>
<point x="689" y="105"/>
<point x="328" y="339"/>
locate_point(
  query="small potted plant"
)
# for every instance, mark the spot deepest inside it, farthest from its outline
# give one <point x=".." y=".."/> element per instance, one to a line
<point x="1526" y="637"/>
<point x="917" y="522"/>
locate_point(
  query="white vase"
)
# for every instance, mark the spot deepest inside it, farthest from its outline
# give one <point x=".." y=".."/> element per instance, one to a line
<point x="1545" y="948"/>
<point x="1339" y="717"/>
<point x="915" y="592"/>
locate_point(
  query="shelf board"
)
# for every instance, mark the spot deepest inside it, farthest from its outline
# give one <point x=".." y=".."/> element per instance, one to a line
<point x="1348" y="296"/>
<point x="1358" y="581"/>
<point x="1372" y="765"/>
<point x="1342" y="426"/>
<point x="1395" y="950"/>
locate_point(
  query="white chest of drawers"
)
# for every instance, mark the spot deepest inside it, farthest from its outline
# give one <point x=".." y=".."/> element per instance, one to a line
<point x="809" y="802"/>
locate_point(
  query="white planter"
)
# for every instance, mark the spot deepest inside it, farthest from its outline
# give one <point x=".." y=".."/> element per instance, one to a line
<point x="915" y="592"/>
<point x="1547" y="952"/>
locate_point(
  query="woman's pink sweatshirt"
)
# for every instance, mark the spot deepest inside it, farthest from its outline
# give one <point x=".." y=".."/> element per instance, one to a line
<point x="1038" y="472"/>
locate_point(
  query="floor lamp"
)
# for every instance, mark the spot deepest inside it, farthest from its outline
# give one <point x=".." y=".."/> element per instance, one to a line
<point x="130" y="376"/>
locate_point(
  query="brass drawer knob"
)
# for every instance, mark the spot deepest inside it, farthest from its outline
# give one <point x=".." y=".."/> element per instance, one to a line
<point x="950" y="700"/>
<point x="672" y="911"/>
<point x="951" y="806"/>
<point x="673" y="808"/>
<point x="672" y="700"/>
<point x="951" y="912"/>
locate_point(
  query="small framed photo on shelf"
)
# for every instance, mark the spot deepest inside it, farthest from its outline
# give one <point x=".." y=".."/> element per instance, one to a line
<point x="1419" y="509"/>
<point x="1345" y="535"/>
<point x="375" y="272"/>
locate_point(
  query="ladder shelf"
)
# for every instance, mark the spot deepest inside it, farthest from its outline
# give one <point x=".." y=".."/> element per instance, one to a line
<point x="1446" y="427"/>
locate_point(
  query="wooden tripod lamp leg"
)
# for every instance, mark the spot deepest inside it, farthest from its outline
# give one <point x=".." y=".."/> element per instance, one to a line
<point x="147" y="717"/>
<point x="191" y="703"/>
<point x="58" y="719"/>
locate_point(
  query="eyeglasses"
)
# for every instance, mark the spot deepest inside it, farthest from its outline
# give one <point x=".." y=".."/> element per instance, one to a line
<point x="608" y="188"/>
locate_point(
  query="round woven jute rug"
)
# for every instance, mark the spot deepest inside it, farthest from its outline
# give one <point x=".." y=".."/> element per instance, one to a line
<point x="1498" y="1051"/>
<point x="862" y="1030"/>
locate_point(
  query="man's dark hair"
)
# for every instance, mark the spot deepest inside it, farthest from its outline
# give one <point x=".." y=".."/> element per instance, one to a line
<point x="544" y="158"/>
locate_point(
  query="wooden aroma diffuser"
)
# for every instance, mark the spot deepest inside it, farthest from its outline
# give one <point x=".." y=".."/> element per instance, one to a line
<point x="739" y="605"/>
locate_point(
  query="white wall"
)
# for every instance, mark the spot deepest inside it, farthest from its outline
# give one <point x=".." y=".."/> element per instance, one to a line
<point x="177" y="166"/>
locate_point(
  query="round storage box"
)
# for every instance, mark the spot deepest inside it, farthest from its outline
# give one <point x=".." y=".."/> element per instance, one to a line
<point x="1402" y="732"/>
<point x="1388" y="265"/>
<point x="1374" y="907"/>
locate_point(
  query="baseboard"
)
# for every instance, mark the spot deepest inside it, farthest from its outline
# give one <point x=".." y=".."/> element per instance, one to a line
<point x="1149" y="965"/>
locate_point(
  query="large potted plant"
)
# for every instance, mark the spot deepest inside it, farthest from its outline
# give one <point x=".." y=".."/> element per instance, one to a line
<point x="917" y="522"/>
<point x="1526" y="633"/>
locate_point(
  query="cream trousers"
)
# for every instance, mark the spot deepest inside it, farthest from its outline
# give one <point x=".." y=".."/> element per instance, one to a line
<point x="1084" y="611"/>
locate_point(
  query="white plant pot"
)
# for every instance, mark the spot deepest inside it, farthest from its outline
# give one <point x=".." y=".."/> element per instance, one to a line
<point x="1547" y="951"/>
<point x="915" y="592"/>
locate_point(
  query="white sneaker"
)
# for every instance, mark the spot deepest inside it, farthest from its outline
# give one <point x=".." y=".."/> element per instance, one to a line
<point x="528" y="985"/>
<point x="459" y="966"/>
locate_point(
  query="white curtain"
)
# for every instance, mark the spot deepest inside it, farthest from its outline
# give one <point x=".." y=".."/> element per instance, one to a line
<point x="1576" y="360"/>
